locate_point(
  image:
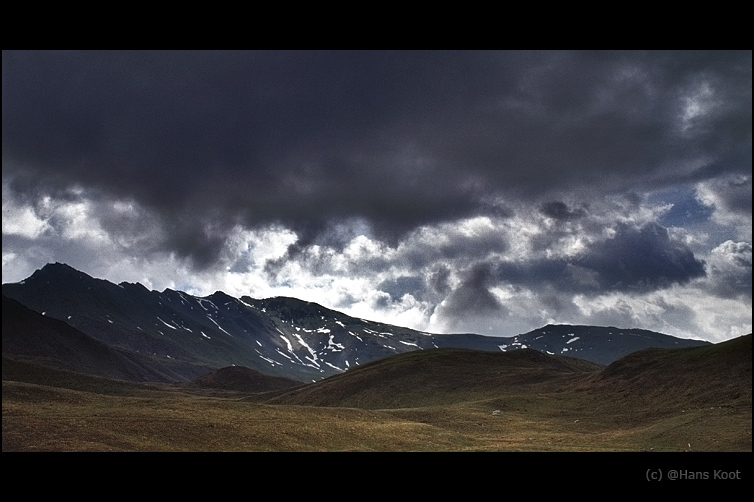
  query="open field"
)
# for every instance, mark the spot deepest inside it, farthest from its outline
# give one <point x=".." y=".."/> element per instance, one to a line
<point x="526" y="403"/>
<point x="38" y="418"/>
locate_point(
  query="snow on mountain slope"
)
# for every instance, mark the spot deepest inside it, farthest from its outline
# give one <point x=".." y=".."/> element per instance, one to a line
<point x="280" y="336"/>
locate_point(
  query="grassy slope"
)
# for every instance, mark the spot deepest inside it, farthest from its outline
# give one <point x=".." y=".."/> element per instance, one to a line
<point x="431" y="400"/>
<point x="435" y="378"/>
<point x="241" y="379"/>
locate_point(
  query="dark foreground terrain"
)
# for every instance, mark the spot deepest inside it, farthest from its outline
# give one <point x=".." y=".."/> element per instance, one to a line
<point x="690" y="399"/>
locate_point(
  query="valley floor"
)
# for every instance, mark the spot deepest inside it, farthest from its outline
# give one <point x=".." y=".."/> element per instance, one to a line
<point x="42" y="418"/>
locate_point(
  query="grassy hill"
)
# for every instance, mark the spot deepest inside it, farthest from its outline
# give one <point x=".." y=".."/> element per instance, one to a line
<point x="241" y="379"/>
<point x="694" y="399"/>
<point x="436" y="378"/>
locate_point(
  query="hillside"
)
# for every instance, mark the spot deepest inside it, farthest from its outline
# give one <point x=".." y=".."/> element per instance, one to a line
<point x="716" y="375"/>
<point x="694" y="399"/>
<point x="240" y="379"/>
<point x="181" y="337"/>
<point x="51" y="342"/>
<point x="438" y="377"/>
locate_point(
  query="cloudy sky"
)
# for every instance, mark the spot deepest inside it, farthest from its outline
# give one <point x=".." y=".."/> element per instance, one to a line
<point x="488" y="192"/>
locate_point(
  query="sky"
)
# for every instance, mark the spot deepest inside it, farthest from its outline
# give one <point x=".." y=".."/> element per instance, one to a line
<point x="488" y="192"/>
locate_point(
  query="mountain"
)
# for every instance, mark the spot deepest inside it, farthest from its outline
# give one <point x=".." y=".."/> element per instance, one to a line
<point x="599" y="344"/>
<point x="28" y="335"/>
<point x="189" y="336"/>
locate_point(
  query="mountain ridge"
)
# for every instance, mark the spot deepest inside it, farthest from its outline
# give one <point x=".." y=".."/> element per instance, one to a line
<point x="280" y="336"/>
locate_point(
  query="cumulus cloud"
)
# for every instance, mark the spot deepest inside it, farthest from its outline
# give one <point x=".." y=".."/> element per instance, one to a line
<point x="451" y="188"/>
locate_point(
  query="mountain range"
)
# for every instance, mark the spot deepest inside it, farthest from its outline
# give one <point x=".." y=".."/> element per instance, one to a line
<point x="66" y="318"/>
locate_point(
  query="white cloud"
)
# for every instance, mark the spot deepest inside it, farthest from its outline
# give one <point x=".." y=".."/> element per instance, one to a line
<point x="351" y="279"/>
<point x="19" y="219"/>
<point x="23" y="222"/>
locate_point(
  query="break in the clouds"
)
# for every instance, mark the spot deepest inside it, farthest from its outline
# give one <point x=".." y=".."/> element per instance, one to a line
<point x="487" y="191"/>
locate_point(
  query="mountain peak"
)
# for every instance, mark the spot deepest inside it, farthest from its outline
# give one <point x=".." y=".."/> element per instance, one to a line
<point x="221" y="296"/>
<point x="58" y="266"/>
<point x="58" y="269"/>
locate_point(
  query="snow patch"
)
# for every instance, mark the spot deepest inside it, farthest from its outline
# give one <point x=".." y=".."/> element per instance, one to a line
<point x="287" y="342"/>
<point x="203" y="301"/>
<point x="286" y="356"/>
<point x="333" y="345"/>
<point x="372" y="332"/>
<point x="354" y="334"/>
<point x="333" y="366"/>
<point x="313" y="357"/>
<point x="247" y="304"/>
<point x="218" y="326"/>
<point x="271" y="361"/>
<point x="163" y="322"/>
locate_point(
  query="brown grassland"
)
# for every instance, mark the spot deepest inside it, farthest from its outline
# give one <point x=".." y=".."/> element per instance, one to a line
<point x="446" y="400"/>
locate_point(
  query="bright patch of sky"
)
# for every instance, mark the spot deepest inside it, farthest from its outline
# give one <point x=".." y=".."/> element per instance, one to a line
<point x="684" y="207"/>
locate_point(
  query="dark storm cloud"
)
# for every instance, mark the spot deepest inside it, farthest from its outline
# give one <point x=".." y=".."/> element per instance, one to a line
<point x="730" y="270"/>
<point x="403" y="285"/>
<point x="633" y="260"/>
<point x="451" y="246"/>
<point x="205" y="141"/>
<point x="733" y="194"/>
<point x="439" y="280"/>
<point x="642" y="259"/>
<point x="473" y="298"/>
<point x="560" y="211"/>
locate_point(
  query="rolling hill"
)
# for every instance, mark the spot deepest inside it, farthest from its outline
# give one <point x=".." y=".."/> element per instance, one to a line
<point x="691" y="399"/>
